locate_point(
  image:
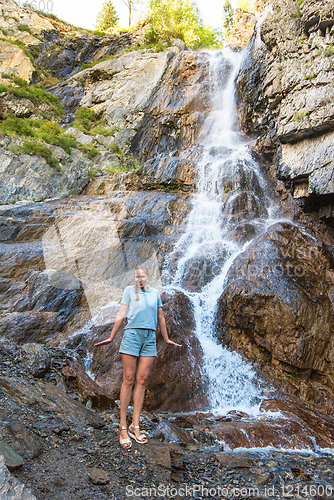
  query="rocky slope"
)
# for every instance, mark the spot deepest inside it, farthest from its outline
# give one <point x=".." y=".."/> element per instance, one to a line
<point x="55" y="446"/>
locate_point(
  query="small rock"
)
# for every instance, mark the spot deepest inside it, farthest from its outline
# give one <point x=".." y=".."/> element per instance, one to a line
<point x="35" y="358"/>
<point x="12" y="459"/>
<point x="98" y="476"/>
<point x="234" y="462"/>
<point x="262" y="480"/>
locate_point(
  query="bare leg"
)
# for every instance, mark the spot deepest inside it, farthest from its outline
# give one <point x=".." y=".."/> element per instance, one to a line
<point x="129" y="371"/>
<point x="143" y="370"/>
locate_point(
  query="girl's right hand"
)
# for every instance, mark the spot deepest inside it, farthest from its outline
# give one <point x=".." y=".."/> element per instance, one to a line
<point x="103" y="342"/>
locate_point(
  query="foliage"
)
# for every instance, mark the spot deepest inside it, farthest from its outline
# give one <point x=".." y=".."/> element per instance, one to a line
<point x="41" y="130"/>
<point x="179" y="19"/>
<point x="107" y="18"/>
<point x="35" y="148"/>
<point x="245" y="5"/>
<point x="115" y="169"/>
<point x="228" y="14"/>
<point x="33" y="93"/>
<point x="89" y="122"/>
<point x="24" y="27"/>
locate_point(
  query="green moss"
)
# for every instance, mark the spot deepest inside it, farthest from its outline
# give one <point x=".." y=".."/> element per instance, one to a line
<point x="103" y="131"/>
<point x="299" y="2"/>
<point x="115" y="148"/>
<point x="89" y="122"/>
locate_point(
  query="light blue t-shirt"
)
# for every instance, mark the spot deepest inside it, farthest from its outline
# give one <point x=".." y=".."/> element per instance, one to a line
<point x="142" y="313"/>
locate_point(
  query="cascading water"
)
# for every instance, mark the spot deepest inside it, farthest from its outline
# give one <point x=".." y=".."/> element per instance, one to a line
<point x="231" y="207"/>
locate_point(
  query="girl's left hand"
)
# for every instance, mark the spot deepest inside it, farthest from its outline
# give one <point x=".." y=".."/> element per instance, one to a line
<point x="173" y="343"/>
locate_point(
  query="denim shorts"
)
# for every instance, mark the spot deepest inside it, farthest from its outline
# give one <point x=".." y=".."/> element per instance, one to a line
<point x="138" y="342"/>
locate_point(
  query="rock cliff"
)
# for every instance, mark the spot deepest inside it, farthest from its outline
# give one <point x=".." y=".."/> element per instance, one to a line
<point x="286" y="95"/>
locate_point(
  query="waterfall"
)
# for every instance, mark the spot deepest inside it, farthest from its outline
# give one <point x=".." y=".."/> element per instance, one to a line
<point x="231" y="206"/>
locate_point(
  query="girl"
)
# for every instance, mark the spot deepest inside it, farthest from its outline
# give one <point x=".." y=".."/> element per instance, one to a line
<point x="143" y="307"/>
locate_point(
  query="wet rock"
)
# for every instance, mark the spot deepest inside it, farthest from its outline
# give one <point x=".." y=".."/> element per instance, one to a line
<point x="276" y="432"/>
<point x="173" y="434"/>
<point x="98" y="476"/>
<point x="278" y="298"/>
<point x="321" y="426"/>
<point x="174" y="115"/>
<point x="10" y="487"/>
<point x="12" y="459"/>
<point x="75" y="377"/>
<point x="186" y="421"/>
<point x="28" y="441"/>
<point x="35" y="358"/>
<point x="56" y="291"/>
<point x="206" y="263"/>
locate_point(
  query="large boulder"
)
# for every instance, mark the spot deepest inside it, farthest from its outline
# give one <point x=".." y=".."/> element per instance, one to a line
<point x="277" y="306"/>
<point x="176" y="382"/>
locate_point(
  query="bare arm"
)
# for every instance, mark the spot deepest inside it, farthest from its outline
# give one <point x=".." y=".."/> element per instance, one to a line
<point x="163" y="328"/>
<point x="118" y="321"/>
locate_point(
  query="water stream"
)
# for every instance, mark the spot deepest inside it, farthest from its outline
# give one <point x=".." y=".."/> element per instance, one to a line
<point x="230" y="208"/>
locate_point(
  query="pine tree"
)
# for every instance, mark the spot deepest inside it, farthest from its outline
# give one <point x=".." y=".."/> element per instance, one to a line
<point x="107" y="18"/>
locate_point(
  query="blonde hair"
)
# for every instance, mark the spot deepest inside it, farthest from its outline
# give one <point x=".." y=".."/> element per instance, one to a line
<point x="145" y="269"/>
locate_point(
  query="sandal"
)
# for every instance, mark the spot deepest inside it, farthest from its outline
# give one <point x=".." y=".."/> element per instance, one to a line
<point x="141" y="439"/>
<point x="125" y="443"/>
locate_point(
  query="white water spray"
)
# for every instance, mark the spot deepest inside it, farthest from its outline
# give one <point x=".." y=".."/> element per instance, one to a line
<point x="231" y="206"/>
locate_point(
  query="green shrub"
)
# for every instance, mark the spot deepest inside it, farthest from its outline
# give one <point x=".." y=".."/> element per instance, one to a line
<point x="115" y="148"/>
<point x="35" y="94"/>
<point x="24" y="27"/>
<point x="34" y="148"/>
<point x="115" y="169"/>
<point x="18" y="126"/>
